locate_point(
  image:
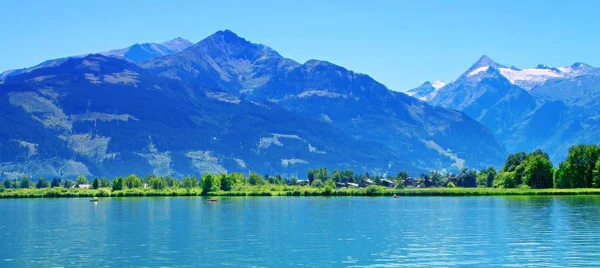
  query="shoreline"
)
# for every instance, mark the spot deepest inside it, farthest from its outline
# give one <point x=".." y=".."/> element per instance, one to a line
<point x="297" y="191"/>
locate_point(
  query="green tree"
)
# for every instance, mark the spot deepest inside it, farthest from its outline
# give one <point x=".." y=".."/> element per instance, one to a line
<point x="68" y="184"/>
<point x="336" y="176"/>
<point x="157" y="183"/>
<point x="105" y="183"/>
<point x="227" y="182"/>
<point x="118" y="184"/>
<point x="467" y="178"/>
<point x="7" y="184"/>
<point x="255" y="179"/>
<point x="559" y="177"/>
<point x="513" y="161"/>
<point x="238" y="178"/>
<point x="597" y="174"/>
<point x="317" y="183"/>
<point x="41" y="183"/>
<point x="402" y="175"/>
<point x="505" y="180"/>
<point x="514" y="164"/>
<point x="209" y="184"/>
<point x="277" y="180"/>
<point x="96" y="183"/>
<point x="25" y="183"/>
<point x="491" y="175"/>
<point x="581" y="162"/>
<point x="330" y="183"/>
<point x="348" y="176"/>
<point x="482" y="178"/>
<point x="538" y="172"/>
<point x="81" y="180"/>
<point x="55" y="182"/>
<point x="399" y="183"/>
<point x="318" y="174"/>
<point x="133" y="181"/>
<point x="171" y="182"/>
<point x="189" y="182"/>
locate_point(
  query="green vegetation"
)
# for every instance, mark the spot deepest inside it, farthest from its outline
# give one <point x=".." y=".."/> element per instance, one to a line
<point x="521" y="174"/>
<point x="289" y="191"/>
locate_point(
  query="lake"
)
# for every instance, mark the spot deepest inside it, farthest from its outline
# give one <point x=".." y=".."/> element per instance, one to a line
<point x="301" y="231"/>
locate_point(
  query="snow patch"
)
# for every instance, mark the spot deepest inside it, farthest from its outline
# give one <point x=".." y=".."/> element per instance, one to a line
<point x="438" y="84"/>
<point x="529" y="78"/>
<point x="292" y="161"/>
<point x="478" y="70"/>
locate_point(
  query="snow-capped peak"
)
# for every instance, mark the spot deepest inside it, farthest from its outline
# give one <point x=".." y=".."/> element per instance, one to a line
<point x="482" y="65"/>
<point x="437" y="84"/>
<point x="427" y="90"/>
<point x="532" y="77"/>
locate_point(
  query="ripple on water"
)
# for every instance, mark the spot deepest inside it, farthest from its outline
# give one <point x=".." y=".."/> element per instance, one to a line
<point x="314" y="232"/>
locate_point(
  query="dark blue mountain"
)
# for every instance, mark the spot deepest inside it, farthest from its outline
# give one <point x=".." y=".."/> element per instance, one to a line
<point x="223" y="104"/>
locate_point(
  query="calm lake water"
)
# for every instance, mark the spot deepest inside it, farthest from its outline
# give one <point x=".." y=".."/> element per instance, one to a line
<point x="301" y="231"/>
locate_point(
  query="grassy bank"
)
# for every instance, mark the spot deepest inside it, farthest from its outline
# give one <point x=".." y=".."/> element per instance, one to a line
<point x="289" y="191"/>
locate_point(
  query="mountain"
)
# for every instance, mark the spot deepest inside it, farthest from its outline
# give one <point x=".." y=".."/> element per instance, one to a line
<point x="426" y="91"/>
<point x="223" y="104"/>
<point x="146" y="51"/>
<point x="136" y="53"/>
<point x="320" y="90"/>
<point x="99" y="115"/>
<point x="550" y="108"/>
<point x="224" y="61"/>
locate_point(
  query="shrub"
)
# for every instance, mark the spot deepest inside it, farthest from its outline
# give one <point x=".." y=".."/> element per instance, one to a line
<point x="373" y="190"/>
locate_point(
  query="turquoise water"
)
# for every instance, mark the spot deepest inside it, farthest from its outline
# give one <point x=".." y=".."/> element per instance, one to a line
<point x="301" y="231"/>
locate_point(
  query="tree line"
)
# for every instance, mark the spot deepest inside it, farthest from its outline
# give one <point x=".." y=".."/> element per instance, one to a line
<point x="581" y="169"/>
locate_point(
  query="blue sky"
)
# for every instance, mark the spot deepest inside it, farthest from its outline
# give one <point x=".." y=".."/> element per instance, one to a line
<point x="399" y="43"/>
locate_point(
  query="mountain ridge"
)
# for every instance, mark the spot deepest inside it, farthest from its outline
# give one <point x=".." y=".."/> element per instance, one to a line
<point x="515" y="103"/>
<point x="225" y="104"/>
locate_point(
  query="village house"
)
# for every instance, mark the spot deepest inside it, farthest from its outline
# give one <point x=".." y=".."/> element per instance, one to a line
<point x="388" y="183"/>
<point x="82" y="186"/>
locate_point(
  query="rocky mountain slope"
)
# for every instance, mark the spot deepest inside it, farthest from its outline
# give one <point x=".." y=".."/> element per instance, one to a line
<point x="223" y="104"/>
<point x="542" y="107"/>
